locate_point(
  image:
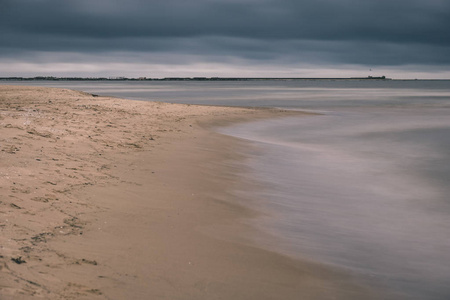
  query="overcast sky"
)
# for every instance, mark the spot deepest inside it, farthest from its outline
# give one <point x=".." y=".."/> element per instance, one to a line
<point x="246" y="38"/>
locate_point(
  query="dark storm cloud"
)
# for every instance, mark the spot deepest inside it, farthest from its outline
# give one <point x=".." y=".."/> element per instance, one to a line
<point x="373" y="32"/>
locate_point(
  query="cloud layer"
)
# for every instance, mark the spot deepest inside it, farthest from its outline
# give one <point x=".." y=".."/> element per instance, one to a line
<point x="381" y="34"/>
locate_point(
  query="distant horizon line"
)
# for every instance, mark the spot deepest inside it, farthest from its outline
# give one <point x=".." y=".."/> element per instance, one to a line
<point x="196" y="78"/>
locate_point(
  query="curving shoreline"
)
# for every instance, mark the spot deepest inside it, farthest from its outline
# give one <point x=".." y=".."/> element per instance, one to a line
<point x="104" y="198"/>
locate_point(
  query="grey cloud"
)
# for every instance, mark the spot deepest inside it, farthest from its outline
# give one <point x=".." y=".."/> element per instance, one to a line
<point x="375" y="32"/>
<point x="381" y="20"/>
<point x="222" y="49"/>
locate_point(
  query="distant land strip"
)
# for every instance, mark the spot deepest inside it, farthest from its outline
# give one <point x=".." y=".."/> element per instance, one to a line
<point x="52" y="78"/>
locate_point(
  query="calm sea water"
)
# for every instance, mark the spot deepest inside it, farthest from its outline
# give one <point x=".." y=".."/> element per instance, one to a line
<point x="365" y="186"/>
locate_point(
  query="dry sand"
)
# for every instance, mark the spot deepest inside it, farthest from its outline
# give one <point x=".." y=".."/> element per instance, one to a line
<point x="104" y="198"/>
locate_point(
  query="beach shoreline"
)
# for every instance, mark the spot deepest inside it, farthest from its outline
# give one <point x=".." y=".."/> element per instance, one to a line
<point x="104" y="198"/>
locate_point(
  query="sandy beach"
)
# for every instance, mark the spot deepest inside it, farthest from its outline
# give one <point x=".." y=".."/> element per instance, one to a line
<point x="105" y="198"/>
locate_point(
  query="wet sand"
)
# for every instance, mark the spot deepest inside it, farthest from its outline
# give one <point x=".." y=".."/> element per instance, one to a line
<point x="104" y="198"/>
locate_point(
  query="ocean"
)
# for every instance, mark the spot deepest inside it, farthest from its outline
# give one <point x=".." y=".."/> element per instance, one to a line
<point x="363" y="186"/>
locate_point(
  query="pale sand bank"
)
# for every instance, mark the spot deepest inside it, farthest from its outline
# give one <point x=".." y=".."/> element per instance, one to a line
<point x="103" y="198"/>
